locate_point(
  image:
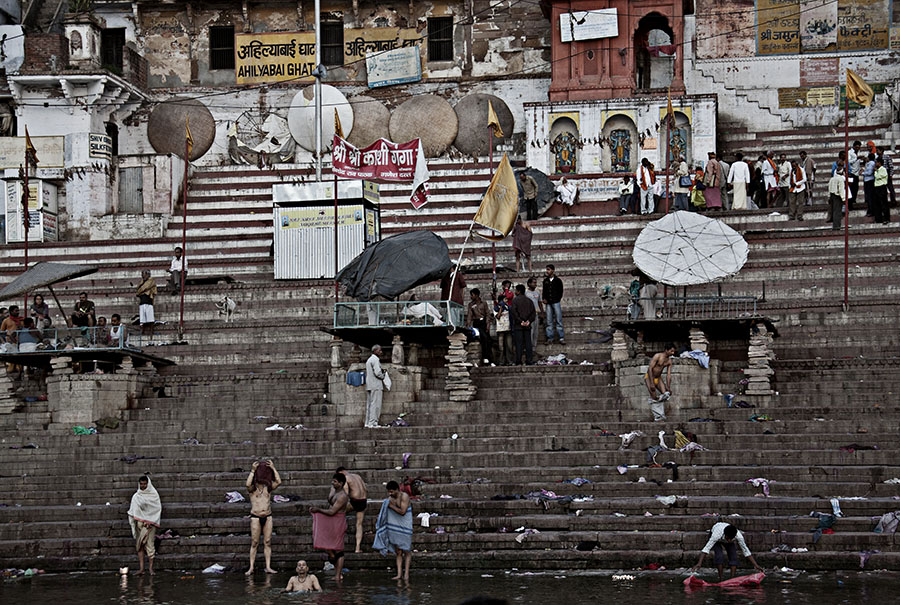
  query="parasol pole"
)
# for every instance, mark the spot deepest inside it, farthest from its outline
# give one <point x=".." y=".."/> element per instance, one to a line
<point x="847" y="201"/>
<point x="493" y="244"/>
<point x="27" y="225"/>
<point x="459" y="260"/>
<point x="336" y="287"/>
<point x="188" y="143"/>
<point x="58" y="304"/>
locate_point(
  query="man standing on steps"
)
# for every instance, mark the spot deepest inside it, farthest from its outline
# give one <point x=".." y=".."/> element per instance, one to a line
<point x="478" y="316"/>
<point x="529" y="194"/>
<point x="739" y="177"/>
<point x="330" y="525"/>
<point x="535" y="297"/>
<point x="645" y="179"/>
<point x="522" y="315"/>
<point x="146" y="293"/>
<point x="796" y="191"/>
<point x="658" y="396"/>
<point x="175" y="268"/>
<point x="855" y="165"/>
<point x="374" y="388"/>
<point x="551" y="296"/>
<point x="809" y="167"/>
<point x="356" y="491"/>
<point x="769" y="171"/>
<point x="784" y="179"/>
<point x="722" y="539"/>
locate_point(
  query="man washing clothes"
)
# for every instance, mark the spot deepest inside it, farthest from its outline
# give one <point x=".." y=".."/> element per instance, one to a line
<point x="653" y="377"/>
<point x="724" y="539"/>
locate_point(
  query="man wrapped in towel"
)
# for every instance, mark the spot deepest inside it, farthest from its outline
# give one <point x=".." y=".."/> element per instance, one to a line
<point x="394" y="529"/>
<point x="330" y="525"/>
<point x="144" y="515"/>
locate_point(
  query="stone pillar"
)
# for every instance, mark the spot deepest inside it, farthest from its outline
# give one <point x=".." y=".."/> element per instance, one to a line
<point x="413" y="357"/>
<point x="759" y="354"/>
<point x="619" y="346"/>
<point x="698" y="340"/>
<point x="337" y="359"/>
<point x="356" y="354"/>
<point x="459" y="383"/>
<point x="397" y="351"/>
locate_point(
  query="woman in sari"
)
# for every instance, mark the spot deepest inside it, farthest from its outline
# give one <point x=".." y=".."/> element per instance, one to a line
<point x="144" y="515"/>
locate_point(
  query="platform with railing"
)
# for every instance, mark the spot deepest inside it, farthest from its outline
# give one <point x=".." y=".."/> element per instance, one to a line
<point x="399" y="314"/>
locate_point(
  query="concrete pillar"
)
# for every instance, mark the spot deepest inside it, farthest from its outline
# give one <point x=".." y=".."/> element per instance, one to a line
<point x="413" y="357"/>
<point x="337" y="358"/>
<point x="698" y="340"/>
<point x="397" y="351"/>
<point x="759" y="353"/>
<point x="619" y="346"/>
<point x="459" y="383"/>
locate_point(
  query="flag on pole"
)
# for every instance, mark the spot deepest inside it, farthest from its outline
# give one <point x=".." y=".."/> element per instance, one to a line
<point x="494" y="121"/>
<point x="337" y="124"/>
<point x="30" y="151"/>
<point x="189" y="140"/>
<point x="857" y="89"/>
<point x="670" y="112"/>
<point x="500" y="206"/>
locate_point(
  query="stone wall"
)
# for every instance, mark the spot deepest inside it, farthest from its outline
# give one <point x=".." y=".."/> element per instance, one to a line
<point x="691" y="383"/>
<point x="349" y="402"/>
<point x="84" y="398"/>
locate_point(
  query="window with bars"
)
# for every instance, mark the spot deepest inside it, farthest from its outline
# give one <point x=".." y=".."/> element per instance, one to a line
<point x="332" y="43"/>
<point x="221" y="47"/>
<point x="440" y="39"/>
<point x="112" y="46"/>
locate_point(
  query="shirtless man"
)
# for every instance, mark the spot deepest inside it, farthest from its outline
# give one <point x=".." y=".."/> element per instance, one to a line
<point x="661" y="361"/>
<point x="399" y="503"/>
<point x="303" y="581"/>
<point x="338" y="500"/>
<point x="356" y="490"/>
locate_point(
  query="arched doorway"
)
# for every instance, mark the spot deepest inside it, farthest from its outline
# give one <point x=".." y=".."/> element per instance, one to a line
<point x="679" y="139"/>
<point x="564" y="146"/>
<point x="654" y="43"/>
<point x="620" y="134"/>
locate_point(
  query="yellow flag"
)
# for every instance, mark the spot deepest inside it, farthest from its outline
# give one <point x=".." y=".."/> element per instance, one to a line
<point x="857" y="89"/>
<point x="337" y="124"/>
<point x="30" y="151"/>
<point x="189" y="140"/>
<point x="494" y="121"/>
<point x="500" y="206"/>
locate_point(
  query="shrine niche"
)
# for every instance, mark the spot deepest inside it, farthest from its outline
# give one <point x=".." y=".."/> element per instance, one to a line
<point x="564" y="144"/>
<point x="654" y="53"/>
<point x="678" y="137"/>
<point x="620" y="143"/>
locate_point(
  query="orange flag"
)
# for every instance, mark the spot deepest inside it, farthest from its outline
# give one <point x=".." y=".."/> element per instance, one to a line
<point x="494" y="121"/>
<point x="338" y="130"/>
<point x="189" y="140"/>
<point x="857" y="89"/>
<point x="30" y="151"/>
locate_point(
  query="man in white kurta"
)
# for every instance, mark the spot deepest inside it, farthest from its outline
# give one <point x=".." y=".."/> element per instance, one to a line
<point x="374" y="388"/>
<point x="739" y="177"/>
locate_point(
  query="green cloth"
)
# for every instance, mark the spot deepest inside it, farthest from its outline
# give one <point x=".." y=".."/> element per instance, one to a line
<point x="881" y="177"/>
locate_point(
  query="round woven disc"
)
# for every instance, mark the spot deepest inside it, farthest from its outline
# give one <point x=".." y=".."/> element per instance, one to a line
<point x="302" y="116"/>
<point x="371" y="121"/>
<point x="426" y="117"/>
<point x="166" y="127"/>
<point x="472" y="111"/>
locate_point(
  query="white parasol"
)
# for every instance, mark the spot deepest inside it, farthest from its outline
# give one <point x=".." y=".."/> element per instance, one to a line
<point x="687" y="249"/>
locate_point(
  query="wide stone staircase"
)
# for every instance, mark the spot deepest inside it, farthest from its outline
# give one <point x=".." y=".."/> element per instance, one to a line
<point x="529" y="429"/>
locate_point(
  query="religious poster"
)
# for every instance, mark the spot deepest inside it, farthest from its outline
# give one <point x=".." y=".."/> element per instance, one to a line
<point x="895" y="37"/>
<point x="818" y="25"/>
<point x="385" y="162"/>
<point x="795" y="26"/>
<point x="397" y="66"/>
<point x="278" y="57"/>
<point x="620" y="150"/>
<point x="359" y="43"/>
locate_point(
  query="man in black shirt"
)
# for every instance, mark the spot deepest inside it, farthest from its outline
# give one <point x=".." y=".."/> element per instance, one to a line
<point x="521" y="316"/>
<point x="551" y="296"/>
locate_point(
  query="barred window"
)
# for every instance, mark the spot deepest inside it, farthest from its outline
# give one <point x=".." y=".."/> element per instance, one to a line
<point x="332" y="43"/>
<point x="221" y="47"/>
<point x="440" y="39"/>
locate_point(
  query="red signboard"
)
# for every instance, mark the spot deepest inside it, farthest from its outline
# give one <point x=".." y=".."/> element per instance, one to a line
<point x="384" y="162"/>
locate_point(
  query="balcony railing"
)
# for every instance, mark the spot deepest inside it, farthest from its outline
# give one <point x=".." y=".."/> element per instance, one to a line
<point x="399" y="314"/>
<point x="62" y="339"/>
<point x="710" y="307"/>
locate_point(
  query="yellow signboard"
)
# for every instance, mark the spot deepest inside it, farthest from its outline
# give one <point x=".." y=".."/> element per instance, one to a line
<point x="278" y="57"/>
<point x="312" y="218"/>
<point x="815" y="96"/>
<point x="795" y="26"/>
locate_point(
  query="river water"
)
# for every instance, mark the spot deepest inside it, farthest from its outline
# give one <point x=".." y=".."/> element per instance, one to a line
<point x="450" y="588"/>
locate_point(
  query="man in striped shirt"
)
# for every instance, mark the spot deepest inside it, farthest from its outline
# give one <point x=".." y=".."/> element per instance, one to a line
<point x="724" y="539"/>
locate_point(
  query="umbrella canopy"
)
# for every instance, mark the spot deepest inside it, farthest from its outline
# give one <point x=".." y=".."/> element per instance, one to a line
<point x="687" y="249"/>
<point x="395" y="265"/>
<point x="44" y="274"/>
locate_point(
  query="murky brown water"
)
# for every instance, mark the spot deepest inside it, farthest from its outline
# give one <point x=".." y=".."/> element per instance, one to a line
<point x="449" y="588"/>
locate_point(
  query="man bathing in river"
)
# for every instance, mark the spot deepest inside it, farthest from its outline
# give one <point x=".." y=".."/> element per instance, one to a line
<point x="653" y="377"/>
<point x="356" y="490"/>
<point x="303" y="581"/>
<point x="724" y="539"/>
<point x="330" y="525"/>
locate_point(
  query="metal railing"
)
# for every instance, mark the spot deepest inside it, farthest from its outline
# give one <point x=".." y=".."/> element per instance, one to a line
<point x="77" y="338"/>
<point x="705" y="307"/>
<point x="398" y="314"/>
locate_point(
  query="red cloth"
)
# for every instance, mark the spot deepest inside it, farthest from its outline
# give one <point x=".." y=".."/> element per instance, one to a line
<point x="328" y="532"/>
<point x="663" y="49"/>
<point x="751" y="580"/>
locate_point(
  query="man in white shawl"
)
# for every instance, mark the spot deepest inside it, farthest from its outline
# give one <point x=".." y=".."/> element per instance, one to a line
<point x="144" y="515"/>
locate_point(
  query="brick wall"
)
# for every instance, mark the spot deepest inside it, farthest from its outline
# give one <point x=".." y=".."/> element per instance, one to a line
<point x="135" y="67"/>
<point x="40" y="50"/>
